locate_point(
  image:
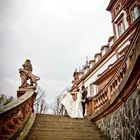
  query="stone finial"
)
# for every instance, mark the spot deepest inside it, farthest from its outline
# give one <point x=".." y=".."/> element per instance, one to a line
<point x="28" y="80"/>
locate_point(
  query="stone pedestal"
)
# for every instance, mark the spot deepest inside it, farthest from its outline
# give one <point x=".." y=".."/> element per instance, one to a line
<point x="22" y="92"/>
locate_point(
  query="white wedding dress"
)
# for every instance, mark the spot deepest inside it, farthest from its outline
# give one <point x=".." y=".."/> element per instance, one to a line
<point x="74" y="108"/>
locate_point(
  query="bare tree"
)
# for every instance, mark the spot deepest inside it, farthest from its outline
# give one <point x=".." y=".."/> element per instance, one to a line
<point x="4" y="100"/>
<point x="56" y="106"/>
<point x="41" y="105"/>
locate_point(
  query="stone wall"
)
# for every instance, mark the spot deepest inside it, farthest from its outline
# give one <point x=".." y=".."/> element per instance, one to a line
<point x="123" y="123"/>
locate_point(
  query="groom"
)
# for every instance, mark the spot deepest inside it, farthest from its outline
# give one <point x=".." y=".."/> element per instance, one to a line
<point x="84" y="98"/>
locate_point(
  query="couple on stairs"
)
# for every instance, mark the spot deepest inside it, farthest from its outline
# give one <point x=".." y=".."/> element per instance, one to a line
<point x="74" y="102"/>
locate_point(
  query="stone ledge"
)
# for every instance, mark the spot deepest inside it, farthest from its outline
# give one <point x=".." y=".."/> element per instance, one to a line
<point x="16" y="102"/>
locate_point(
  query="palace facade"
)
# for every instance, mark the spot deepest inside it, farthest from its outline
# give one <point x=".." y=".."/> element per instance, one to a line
<point x="97" y="72"/>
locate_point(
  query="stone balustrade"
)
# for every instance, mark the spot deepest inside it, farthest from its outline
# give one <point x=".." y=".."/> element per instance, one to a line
<point x="115" y="109"/>
<point x="107" y="92"/>
<point x="15" y="115"/>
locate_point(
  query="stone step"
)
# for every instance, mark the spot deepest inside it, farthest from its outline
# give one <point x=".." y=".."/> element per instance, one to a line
<point x="65" y="128"/>
<point x="43" y="133"/>
<point x="64" y="121"/>
<point x="66" y="131"/>
<point x="68" y="134"/>
<point x="51" y="127"/>
<point x="56" y="136"/>
<point x="55" y="117"/>
<point x="63" y="138"/>
<point x="64" y="125"/>
<point x="60" y="128"/>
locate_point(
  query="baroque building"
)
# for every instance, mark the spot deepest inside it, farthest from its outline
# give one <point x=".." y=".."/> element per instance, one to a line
<point x="98" y="71"/>
<point x="112" y="76"/>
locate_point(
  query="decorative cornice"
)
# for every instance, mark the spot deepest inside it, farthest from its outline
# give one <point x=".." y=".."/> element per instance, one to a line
<point x="112" y="2"/>
<point x="128" y="3"/>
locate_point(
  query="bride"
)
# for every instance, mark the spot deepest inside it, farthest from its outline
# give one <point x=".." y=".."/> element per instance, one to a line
<point x="72" y="103"/>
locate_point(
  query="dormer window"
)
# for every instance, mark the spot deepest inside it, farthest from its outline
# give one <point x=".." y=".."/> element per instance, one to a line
<point x="134" y="13"/>
<point x="97" y="57"/>
<point x="104" y="49"/>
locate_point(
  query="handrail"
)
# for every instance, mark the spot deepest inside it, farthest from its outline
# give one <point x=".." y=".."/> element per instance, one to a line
<point x="15" y="114"/>
<point x="16" y="102"/>
<point x="100" y="99"/>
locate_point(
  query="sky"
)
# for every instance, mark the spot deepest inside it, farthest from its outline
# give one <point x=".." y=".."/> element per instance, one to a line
<point x="56" y="35"/>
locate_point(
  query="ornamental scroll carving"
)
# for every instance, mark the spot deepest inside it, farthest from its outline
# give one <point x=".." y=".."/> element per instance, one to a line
<point x="28" y="80"/>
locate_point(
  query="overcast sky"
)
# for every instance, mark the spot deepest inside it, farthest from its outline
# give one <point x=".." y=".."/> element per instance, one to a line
<point x="56" y="35"/>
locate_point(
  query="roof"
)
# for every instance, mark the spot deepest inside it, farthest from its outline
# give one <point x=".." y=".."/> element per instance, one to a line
<point x="111" y="3"/>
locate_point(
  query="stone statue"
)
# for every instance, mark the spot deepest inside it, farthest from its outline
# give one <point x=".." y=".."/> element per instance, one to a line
<point x="28" y="80"/>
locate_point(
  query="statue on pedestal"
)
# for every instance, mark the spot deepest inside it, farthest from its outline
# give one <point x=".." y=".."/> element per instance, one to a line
<point x="28" y="80"/>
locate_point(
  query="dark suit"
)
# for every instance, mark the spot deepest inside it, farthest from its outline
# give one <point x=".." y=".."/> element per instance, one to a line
<point x="84" y="97"/>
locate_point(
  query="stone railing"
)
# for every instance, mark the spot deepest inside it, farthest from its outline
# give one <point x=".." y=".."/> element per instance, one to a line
<point x="15" y="115"/>
<point x="105" y="95"/>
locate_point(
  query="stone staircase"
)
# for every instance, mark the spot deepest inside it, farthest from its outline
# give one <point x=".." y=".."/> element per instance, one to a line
<point x="54" y="127"/>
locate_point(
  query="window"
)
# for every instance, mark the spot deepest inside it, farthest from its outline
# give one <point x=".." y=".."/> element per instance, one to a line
<point x="121" y="28"/>
<point x="134" y="13"/>
<point x="91" y="89"/>
<point x="117" y="9"/>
